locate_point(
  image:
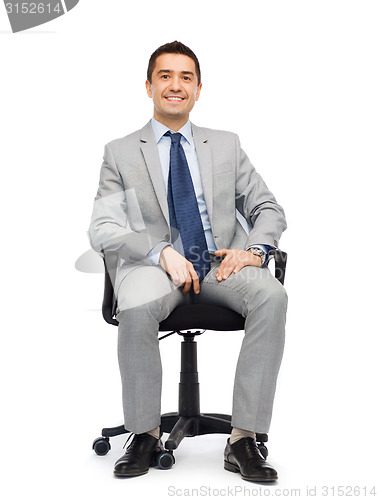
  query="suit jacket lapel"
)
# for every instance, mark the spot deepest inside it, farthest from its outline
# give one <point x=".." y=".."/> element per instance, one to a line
<point x="151" y="157"/>
<point x="205" y="165"/>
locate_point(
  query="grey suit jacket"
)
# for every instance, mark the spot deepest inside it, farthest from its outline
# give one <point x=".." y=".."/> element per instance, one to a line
<point x="131" y="216"/>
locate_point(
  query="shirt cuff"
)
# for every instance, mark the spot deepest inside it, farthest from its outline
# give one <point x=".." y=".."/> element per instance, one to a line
<point x="154" y="254"/>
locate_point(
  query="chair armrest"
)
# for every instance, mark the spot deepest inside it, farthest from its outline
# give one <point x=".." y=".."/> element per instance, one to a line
<point x="280" y="259"/>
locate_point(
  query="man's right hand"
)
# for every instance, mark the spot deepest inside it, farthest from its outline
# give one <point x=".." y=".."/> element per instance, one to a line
<point x="180" y="269"/>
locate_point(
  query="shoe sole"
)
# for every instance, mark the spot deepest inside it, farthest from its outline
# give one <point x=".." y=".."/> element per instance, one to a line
<point x="130" y="474"/>
<point x="234" y="468"/>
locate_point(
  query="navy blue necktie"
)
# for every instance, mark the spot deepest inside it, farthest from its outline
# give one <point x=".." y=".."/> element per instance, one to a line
<point x="183" y="209"/>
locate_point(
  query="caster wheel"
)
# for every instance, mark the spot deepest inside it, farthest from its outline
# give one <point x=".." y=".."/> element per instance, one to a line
<point x="165" y="460"/>
<point x="263" y="450"/>
<point x="101" y="446"/>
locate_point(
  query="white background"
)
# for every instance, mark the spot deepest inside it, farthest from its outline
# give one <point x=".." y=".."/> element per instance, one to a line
<point x="297" y="80"/>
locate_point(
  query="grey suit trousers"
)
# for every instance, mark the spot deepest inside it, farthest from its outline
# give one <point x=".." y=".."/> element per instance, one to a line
<point x="147" y="296"/>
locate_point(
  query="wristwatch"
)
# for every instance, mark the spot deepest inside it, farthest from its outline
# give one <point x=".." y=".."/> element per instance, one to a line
<point x="260" y="253"/>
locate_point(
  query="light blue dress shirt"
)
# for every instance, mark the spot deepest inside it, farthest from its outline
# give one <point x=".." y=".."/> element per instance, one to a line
<point x="187" y="142"/>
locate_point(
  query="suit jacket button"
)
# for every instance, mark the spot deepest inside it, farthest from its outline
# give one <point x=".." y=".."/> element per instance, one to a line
<point x="166" y="237"/>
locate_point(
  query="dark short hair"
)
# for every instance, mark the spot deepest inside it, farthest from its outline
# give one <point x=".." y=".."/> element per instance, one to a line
<point x="173" y="48"/>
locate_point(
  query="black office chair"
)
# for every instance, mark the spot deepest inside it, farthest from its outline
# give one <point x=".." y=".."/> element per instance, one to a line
<point x="188" y="321"/>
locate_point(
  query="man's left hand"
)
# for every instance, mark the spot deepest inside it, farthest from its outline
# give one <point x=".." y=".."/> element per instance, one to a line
<point x="234" y="261"/>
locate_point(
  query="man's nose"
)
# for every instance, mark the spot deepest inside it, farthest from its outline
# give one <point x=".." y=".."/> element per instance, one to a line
<point x="175" y="84"/>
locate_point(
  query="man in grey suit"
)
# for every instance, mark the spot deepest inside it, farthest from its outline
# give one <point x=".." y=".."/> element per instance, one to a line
<point x="147" y="209"/>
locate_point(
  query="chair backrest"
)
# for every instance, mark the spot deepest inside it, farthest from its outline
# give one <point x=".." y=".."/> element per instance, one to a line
<point x="109" y="301"/>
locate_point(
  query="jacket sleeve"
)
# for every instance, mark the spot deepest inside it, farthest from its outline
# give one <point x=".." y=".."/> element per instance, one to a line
<point x="257" y="203"/>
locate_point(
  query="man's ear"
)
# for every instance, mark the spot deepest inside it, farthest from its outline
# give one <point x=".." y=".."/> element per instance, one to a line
<point x="148" y="88"/>
<point x="198" y="91"/>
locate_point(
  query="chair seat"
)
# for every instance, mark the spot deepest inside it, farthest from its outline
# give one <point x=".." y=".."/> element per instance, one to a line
<point x="204" y="317"/>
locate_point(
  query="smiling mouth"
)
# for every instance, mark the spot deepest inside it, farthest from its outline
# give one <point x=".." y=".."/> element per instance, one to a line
<point x="174" y="98"/>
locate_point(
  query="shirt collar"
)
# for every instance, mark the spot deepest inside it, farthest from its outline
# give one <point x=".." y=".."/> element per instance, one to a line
<point x="159" y="130"/>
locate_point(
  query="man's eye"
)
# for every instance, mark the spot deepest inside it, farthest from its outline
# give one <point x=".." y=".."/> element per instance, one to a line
<point x="165" y="76"/>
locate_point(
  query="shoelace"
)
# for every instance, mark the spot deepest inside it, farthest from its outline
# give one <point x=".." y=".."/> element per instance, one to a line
<point x="253" y="449"/>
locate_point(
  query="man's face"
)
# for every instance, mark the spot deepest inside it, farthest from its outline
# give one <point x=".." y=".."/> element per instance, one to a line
<point x="174" y="88"/>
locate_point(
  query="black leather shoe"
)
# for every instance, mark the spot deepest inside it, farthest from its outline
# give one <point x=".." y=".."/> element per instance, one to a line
<point x="244" y="456"/>
<point x="139" y="457"/>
